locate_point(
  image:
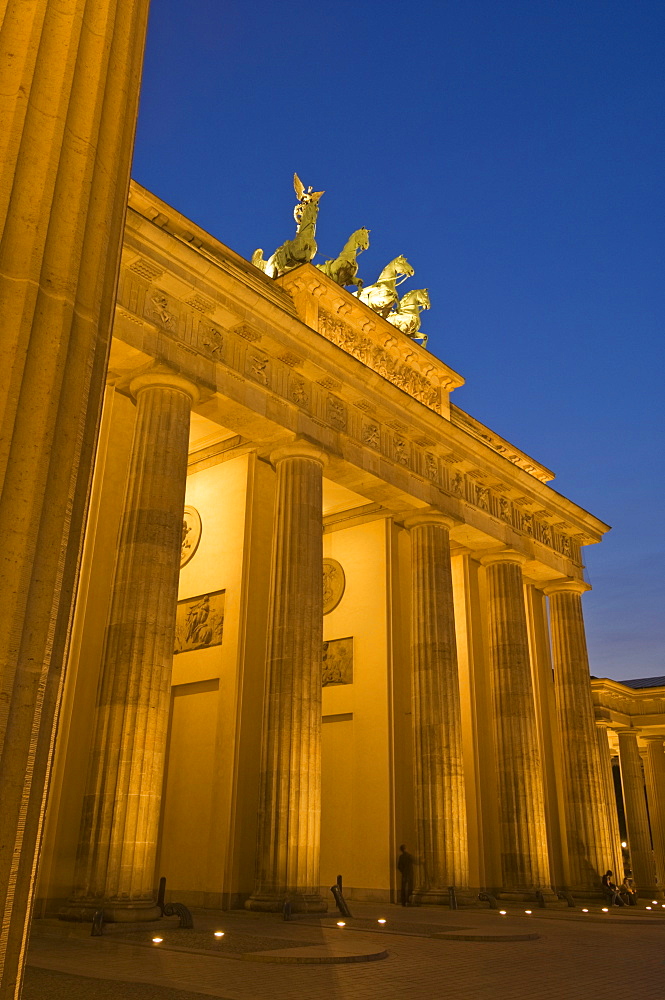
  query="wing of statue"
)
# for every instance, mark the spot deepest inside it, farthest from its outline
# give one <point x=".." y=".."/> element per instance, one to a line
<point x="298" y="187"/>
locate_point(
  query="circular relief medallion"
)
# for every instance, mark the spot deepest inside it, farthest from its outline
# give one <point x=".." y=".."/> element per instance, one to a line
<point x="334" y="583"/>
<point x="191" y="534"/>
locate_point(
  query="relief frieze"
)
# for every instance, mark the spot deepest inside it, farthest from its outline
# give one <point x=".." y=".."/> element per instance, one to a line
<point x="431" y="467"/>
<point x="258" y="368"/>
<point x="159" y="308"/>
<point x="401" y="451"/>
<point x="199" y="622"/>
<point x="337" y="662"/>
<point x="210" y="341"/>
<point x="298" y="392"/>
<point x="380" y="360"/>
<point x="336" y="413"/>
<point x="457" y="484"/>
<point x="371" y="435"/>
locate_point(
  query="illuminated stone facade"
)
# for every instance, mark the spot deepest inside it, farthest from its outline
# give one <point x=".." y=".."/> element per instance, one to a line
<point x="198" y="740"/>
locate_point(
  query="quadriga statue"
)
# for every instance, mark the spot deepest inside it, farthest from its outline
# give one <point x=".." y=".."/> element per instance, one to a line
<point x="302" y="248"/>
<point x="344" y="269"/>
<point x="382" y="296"/>
<point x="406" y="318"/>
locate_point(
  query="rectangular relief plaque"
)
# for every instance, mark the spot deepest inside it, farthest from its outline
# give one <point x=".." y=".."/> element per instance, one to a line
<point x="199" y="622"/>
<point x="338" y="661"/>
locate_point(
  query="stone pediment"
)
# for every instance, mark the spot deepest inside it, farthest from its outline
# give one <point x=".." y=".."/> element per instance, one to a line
<point x="345" y="321"/>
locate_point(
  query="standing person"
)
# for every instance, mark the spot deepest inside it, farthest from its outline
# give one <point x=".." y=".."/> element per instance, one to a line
<point x="405" y="868"/>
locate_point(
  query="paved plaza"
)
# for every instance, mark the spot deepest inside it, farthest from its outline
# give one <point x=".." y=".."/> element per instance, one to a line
<point x="576" y="956"/>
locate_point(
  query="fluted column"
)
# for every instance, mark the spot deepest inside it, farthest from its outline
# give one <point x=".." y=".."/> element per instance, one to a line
<point x="69" y="82"/>
<point x="637" y="820"/>
<point x="615" y="857"/>
<point x="442" y="848"/>
<point x="587" y="827"/>
<point x="118" y="841"/>
<point x="288" y="846"/>
<point x="655" y="775"/>
<point x="524" y="855"/>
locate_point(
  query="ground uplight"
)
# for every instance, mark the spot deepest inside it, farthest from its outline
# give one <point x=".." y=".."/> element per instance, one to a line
<point x="502" y="913"/>
<point x="341" y="923"/>
<point x="528" y="911"/>
<point x="219" y="934"/>
<point x="380" y="920"/>
<point x="605" y="909"/>
<point x="157" y="940"/>
<point x="584" y="909"/>
<point x="648" y="907"/>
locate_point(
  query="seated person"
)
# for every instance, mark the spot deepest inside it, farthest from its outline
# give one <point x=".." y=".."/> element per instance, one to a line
<point x="628" y="891"/>
<point x="610" y="890"/>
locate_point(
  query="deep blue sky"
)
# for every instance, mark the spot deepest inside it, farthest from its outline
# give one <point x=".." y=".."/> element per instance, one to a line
<point x="514" y="151"/>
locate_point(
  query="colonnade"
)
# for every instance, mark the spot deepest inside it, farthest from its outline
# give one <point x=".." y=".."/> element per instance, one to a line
<point x="120" y="823"/>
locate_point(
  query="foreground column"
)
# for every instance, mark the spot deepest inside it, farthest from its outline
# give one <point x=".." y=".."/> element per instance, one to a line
<point x="615" y="858"/>
<point x="588" y="832"/>
<point x="655" y="775"/>
<point x="524" y="855"/>
<point x="68" y="99"/>
<point x="290" y="797"/>
<point x="442" y="848"/>
<point x="637" y="821"/>
<point x="116" y="859"/>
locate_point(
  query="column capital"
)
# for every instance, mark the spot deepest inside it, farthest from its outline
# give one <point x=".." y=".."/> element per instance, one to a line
<point x="300" y="448"/>
<point x="503" y="556"/>
<point x="627" y="731"/>
<point x="567" y="586"/>
<point x="654" y="738"/>
<point x="163" y="378"/>
<point x="429" y="515"/>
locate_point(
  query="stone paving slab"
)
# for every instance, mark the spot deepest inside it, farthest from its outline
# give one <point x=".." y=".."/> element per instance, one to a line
<point x="569" y="961"/>
<point x="44" y="984"/>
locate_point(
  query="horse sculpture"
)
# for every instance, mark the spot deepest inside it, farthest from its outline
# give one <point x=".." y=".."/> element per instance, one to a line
<point x="302" y="248"/>
<point x="382" y="296"/>
<point x="406" y="318"/>
<point x="344" y="269"/>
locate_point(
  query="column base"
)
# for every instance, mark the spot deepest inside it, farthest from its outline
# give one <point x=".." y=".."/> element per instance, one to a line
<point x="114" y="912"/>
<point x="654" y="894"/>
<point x="300" y="902"/>
<point x="528" y="895"/>
<point x="441" y="897"/>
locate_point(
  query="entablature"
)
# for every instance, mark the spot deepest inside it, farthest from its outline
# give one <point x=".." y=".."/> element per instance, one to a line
<point x="275" y="376"/>
<point x="617" y="705"/>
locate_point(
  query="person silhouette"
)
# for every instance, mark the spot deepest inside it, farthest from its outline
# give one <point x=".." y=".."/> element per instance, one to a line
<point x="405" y="864"/>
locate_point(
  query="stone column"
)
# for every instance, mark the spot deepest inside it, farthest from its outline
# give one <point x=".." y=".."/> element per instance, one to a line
<point x="442" y="848"/>
<point x="524" y="855"/>
<point x="655" y="775"/>
<point x="288" y="845"/>
<point x="637" y="820"/>
<point x="615" y="858"/>
<point x="68" y="102"/>
<point x="118" y="843"/>
<point x="585" y="794"/>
